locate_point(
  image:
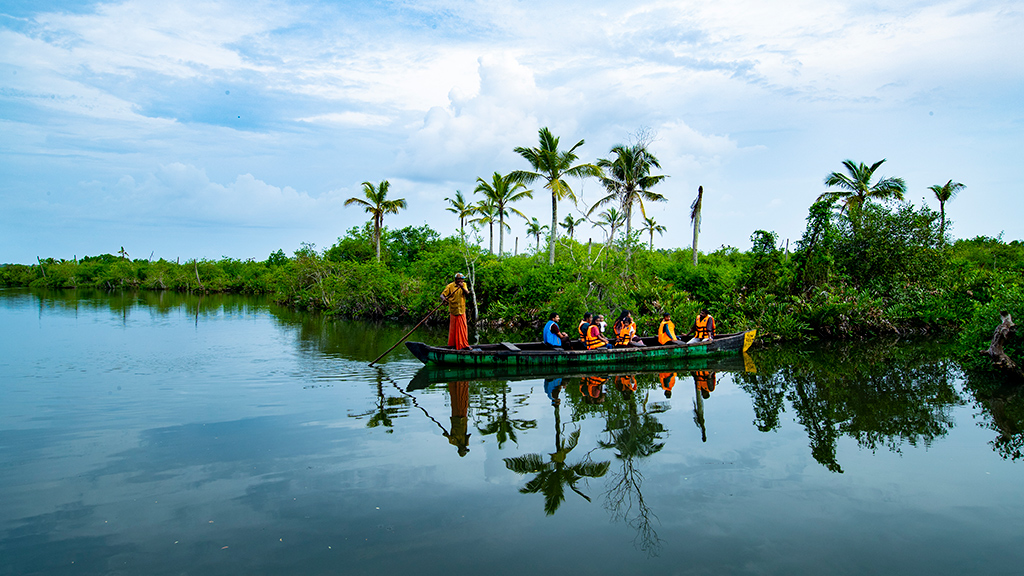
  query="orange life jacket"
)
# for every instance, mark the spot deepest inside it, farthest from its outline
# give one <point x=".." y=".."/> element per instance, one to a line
<point x="592" y="386"/>
<point x="705" y="380"/>
<point x="592" y="340"/>
<point x="666" y="332"/>
<point x="625" y="334"/>
<point x="580" y="329"/>
<point x="703" y="331"/>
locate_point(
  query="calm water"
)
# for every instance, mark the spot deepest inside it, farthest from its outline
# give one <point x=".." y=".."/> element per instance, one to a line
<point x="164" y="434"/>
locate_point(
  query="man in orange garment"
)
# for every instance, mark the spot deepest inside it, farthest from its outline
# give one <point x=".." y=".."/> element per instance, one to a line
<point x="455" y="295"/>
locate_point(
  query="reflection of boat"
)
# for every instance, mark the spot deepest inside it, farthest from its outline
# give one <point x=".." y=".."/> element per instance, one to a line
<point x="539" y="354"/>
<point x="431" y="374"/>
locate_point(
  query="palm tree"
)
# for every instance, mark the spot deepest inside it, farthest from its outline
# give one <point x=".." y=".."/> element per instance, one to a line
<point x="502" y="191"/>
<point x="610" y="219"/>
<point x="944" y="193"/>
<point x="627" y="178"/>
<point x="695" y="219"/>
<point x="553" y="166"/>
<point x="651" y="226"/>
<point x="460" y="208"/>
<point x="570" y="224"/>
<point x="377" y="205"/>
<point x="535" y="228"/>
<point x="856" y="188"/>
<point x="488" y="212"/>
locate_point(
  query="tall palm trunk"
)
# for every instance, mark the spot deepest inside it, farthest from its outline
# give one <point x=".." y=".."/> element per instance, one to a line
<point x="695" y="217"/>
<point x="942" y="222"/>
<point x="501" y="234"/>
<point x="554" y="230"/>
<point x="376" y="234"/>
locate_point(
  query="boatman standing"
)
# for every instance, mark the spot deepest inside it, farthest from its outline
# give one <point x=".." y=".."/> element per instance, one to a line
<point x="455" y="295"/>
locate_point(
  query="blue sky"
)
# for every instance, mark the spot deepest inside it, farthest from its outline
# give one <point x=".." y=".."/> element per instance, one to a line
<point x="209" y="129"/>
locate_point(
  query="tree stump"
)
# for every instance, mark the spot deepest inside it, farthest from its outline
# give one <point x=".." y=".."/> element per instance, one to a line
<point x="995" y="351"/>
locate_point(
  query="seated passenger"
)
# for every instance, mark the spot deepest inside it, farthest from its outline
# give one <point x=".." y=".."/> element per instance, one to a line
<point x="667" y="331"/>
<point x="625" y="331"/>
<point x="703" y="328"/>
<point x="592" y="336"/>
<point x="552" y="336"/>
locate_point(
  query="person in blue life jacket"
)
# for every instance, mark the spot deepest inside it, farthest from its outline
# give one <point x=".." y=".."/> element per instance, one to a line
<point x="553" y="335"/>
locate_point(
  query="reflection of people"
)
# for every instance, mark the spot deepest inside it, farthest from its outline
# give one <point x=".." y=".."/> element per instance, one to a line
<point x="667" y="331"/>
<point x="667" y="380"/>
<point x="455" y="295"/>
<point x="552" y="386"/>
<point x="626" y="384"/>
<point x="703" y="328"/>
<point x="553" y="335"/>
<point x="459" y="435"/>
<point x="705" y="381"/>
<point x="592" y="389"/>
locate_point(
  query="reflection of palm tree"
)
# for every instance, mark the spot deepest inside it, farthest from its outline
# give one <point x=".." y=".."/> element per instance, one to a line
<point x="554" y="475"/>
<point x="387" y="408"/>
<point x="633" y="435"/>
<point x="503" y="426"/>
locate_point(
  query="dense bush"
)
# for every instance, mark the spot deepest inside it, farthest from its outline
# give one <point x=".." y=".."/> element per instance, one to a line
<point x="890" y="275"/>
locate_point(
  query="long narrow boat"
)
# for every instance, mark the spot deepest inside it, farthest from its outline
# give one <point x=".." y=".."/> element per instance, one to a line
<point x="539" y="354"/>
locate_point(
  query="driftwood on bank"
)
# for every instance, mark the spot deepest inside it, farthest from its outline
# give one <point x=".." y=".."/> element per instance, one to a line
<point x="995" y="350"/>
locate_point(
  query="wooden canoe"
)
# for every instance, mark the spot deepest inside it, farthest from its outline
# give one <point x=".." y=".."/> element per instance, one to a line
<point x="528" y="354"/>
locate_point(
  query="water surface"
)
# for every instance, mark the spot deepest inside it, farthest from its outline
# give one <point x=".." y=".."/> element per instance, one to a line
<point x="158" y="433"/>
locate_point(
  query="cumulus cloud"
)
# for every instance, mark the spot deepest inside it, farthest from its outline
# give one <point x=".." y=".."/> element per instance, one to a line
<point x="473" y="134"/>
<point x="185" y="194"/>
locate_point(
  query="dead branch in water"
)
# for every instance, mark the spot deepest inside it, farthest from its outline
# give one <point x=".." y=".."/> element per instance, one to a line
<point x="995" y="350"/>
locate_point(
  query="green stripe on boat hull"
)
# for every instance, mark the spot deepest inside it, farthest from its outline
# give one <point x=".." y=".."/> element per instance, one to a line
<point x="494" y="355"/>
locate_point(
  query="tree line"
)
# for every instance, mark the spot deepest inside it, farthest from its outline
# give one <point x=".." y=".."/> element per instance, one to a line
<point x="867" y="263"/>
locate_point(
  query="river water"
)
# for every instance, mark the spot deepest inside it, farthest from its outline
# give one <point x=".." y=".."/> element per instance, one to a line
<point x="158" y="433"/>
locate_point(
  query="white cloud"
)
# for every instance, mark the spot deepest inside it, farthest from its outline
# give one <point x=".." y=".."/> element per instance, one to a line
<point x="185" y="194"/>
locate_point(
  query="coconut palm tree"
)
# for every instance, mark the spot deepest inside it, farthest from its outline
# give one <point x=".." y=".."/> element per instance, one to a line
<point x="610" y="220"/>
<point x="570" y="224"/>
<point x="651" y="227"/>
<point x="462" y="209"/>
<point x="535" y="228"/>
<point x="502" y="191"/>
<point x="554" y="475"/>
<point x="944" y="193"/>
<point x="553" y="165"/>
<point x="856" y="188"/>
<point x="377" y="205"/>
<point x="628" y="180"/>
<point x="488" y="214"/>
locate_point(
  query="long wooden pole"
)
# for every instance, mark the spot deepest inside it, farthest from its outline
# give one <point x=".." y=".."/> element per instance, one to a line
<point x="443" y="302"/>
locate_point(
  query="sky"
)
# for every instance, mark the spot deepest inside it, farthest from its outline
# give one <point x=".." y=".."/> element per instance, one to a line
<point x="233" y="129"/>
